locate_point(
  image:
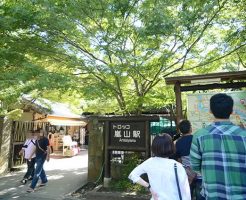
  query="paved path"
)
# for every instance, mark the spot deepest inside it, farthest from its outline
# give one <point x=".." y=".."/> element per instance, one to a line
<point x="65" y="176"/>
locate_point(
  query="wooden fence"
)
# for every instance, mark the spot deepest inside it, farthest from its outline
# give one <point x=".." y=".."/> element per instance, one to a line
<point x="19" y="132"/>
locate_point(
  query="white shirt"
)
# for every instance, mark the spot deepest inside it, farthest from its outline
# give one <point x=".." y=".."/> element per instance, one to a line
<point x="30" y="148"/>
<point x="162" y="179"/>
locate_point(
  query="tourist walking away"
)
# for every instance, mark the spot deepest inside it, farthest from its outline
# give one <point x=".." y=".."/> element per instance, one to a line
<point x="42" y="153"/>
<point x="218" y="152"/>
<point x="167" y="177"/>
<point x="183" y="145"/>
<point x="27" y="149"/>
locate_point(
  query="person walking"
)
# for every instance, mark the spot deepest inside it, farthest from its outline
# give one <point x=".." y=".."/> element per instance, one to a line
<point x="183" y="145"/>
<point x="42" y="153"/>
<point x="218" y="152"/>
<point x="27" y="149"/>
<point x="167" y="177"/>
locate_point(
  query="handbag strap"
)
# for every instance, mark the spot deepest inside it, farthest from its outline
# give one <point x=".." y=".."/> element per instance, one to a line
<point x="41" y="148"/>
<point x="177" y="180"/>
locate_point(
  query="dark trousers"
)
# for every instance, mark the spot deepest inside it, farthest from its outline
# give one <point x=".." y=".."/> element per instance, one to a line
<point x="30" y="168"/>
<point x="196" y="188"/>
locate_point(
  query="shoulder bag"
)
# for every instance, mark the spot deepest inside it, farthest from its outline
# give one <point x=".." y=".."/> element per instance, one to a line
<point x="41" y="148"/>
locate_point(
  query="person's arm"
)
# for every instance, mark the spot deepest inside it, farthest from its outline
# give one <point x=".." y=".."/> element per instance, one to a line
<point x="48" y="154"/>
<point x="48" y="151"/>
<point x="21" y="152"/>
<point x="135" y="177"/>
<point x="195" y="154"/>
<point x="137" y="172"/>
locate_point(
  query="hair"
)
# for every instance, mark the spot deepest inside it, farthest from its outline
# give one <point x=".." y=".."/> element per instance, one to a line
<point x="163" y="146"/>
<point x="221" y="106"/>
<point x="184" y="126"/>
<point x="36" y="131"/>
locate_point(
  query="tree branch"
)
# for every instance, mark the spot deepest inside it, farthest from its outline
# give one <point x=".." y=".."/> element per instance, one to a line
<point x="183" y="58"/>
<point x="83" y="49"/>
<point x="216" y="59"/>
<point x="241" y="61"/>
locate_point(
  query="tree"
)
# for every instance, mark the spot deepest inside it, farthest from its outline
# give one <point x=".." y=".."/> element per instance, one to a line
<point x="117" y="53"/>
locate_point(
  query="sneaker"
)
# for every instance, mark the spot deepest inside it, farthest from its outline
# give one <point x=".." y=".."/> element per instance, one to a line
<point x="29" y="179"/>
<point x="42" y="185"/>
<point x="24" y="181"/>
<point x="30" y="190"/>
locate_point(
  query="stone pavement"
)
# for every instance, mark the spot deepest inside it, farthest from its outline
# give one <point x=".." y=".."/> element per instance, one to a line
<point x="65" y="175"/>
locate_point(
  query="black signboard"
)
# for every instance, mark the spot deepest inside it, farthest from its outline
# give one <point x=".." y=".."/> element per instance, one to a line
<point x="127" y="134"/>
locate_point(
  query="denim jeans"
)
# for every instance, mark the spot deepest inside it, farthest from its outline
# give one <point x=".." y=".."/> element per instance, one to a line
<point x="30" y="168"/>
<point x="39" y="172"/>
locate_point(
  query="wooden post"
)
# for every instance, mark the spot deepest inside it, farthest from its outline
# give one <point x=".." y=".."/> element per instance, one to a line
<point x="107" y="159"/>
<point x="147" y="139"/>
<point x="177" y="90"/>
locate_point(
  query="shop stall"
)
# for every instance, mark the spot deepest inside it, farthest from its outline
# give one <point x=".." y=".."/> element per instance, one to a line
<point x="66" y="131"/>
<point x="66" y="136"/>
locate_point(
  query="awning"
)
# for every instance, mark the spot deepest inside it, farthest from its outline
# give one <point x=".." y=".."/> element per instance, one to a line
<point x="59" y="122"/>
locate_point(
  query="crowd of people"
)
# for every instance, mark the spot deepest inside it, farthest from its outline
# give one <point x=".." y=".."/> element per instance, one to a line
<point x="209" y="164"/>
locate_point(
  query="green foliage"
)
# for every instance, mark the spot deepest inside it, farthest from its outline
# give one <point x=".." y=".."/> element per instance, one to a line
<point x="115" y="54"/>
<point x="124" y="184"/>
<point x="14" y="114"/>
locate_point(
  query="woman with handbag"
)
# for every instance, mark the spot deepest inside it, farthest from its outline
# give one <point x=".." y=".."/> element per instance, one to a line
<point x="167" y="177"/>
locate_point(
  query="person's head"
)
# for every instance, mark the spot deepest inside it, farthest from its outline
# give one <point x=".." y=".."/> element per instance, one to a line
<point x="30" y="134"/>
<point x="162" y="146"/>
<point x="40" y="133"/>
<point x="184" y="127"/>
<point x="221" y="106"/>
<point x="43" y="133"/>
<point x="37" y="133"/>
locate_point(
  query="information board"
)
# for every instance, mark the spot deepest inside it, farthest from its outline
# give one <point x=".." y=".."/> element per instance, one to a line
<point x="198" y="109"/>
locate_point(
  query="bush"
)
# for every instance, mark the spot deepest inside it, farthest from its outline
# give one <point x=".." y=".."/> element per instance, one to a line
<point x="124" y="184"/>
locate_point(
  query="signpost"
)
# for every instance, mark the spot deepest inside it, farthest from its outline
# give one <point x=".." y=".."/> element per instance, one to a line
<point x="127" y="134"/>
<point x="131" y="133"/>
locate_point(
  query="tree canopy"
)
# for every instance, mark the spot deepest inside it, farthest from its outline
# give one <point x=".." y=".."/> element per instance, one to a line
<point x="115" y="54"/>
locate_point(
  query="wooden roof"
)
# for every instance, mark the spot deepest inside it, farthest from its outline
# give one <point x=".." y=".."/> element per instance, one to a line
<point x="224" y="76"/>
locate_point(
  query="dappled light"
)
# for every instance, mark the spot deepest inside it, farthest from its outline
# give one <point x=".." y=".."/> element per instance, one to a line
<point x="7" y="190"/>
<point x="55" y="177"/>
<point x="64" y="176"/>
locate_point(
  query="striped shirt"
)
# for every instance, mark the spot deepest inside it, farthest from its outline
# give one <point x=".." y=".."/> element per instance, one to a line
<point x="219" y="153"/>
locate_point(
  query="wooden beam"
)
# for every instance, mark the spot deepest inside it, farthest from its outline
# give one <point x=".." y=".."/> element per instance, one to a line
<point x="212" y="86"/>
<point x="106" y="153"/>
<point x="224" y="76"/>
